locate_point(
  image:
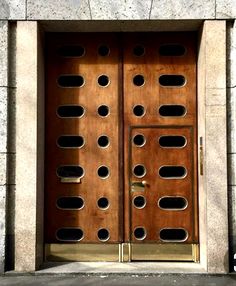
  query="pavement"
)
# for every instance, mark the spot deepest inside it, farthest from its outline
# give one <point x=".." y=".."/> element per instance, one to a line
<point x="118" y="280"/>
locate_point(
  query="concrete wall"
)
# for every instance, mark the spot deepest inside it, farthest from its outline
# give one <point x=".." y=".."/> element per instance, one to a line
<point x="116" y="10"/>
<point x="99" y="10"/>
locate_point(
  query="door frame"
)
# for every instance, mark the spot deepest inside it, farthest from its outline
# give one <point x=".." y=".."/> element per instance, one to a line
<point x="211" y="89"/>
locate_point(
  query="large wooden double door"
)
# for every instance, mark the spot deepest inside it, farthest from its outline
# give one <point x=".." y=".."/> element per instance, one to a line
<point x="121" y="147"/>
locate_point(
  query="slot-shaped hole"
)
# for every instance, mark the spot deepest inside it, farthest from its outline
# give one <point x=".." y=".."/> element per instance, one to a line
<point x="103" y="80"/>
<point x="70" y="80"/>
<point x="70" y="203"/>
<point x="139" y="202"/>
<point x="103" y="50"/>
<point x="140" y="233"/>
<point x="172" y="203"/>
<point x="138" y="80"/>
<point x="139" y="140"/>
<point x="103" y="141"/>
<point x="172" y="141"/>
<point x="172" y="110"/>
<point x="174" y="50"/>
<point x="69" y="234"/>
<point x="103" y="172"/>
<point x="103" y="110"/>
<point x="103" y="203"/>
<point x="70" y="111"/>
<point x="103" y="234"/>
<point x="70" y="172"/>
<point x="172" y="172"/>
<point x="139" y="171"/>
<point x="173" y="234"/>
<point x="70" y="141"/>
<point x="172" y="80"/>
<point x="139" y="110"/>
<point x="71" y="51"/>
<point x="139" y="51"/>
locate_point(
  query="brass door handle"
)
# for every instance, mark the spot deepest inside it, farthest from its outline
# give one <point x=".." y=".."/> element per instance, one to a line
<point x="138" y="186"/>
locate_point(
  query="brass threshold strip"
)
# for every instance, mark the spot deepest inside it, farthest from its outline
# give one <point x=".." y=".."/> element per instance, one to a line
<point x="124" y="252"/>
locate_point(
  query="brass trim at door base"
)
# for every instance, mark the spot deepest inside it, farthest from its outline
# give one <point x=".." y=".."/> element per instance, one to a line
<point x="82" y="252"/>
<point x="165" y="252"/>
<point x="125" y="252"/>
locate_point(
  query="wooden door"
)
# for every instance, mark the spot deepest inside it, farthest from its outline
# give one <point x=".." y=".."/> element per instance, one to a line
<point x="82" y="175"/>
<point x="121" y="139"/>
<point x="160" y="138"/>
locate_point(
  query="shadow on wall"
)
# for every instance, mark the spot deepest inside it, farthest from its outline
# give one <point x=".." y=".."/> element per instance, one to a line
<point x="11" y="149"/>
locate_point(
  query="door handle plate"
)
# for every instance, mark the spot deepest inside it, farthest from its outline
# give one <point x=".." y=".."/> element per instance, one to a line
<point x="138" y="186"/>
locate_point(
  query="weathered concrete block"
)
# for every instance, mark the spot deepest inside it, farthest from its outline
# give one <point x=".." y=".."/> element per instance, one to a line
<point x="3" y="119"/>
<point x="225" y="9"/>
<point x="3" y="53"/>
<point x="12" y="9"/>
<point x="120" y="10"/>
<point x="231" y="114"/>
<point x="3" y="169"/>
<point x="184" y="9"/>
<point x="215" y="96"/>
<point x="216" y="54"/>
<point x="2" y="226"/>
<point x="58" y="10"/>
<point x="217" y="213"/>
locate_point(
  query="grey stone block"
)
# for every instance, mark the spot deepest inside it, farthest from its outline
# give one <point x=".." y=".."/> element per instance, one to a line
<point x="231" y="116"/>
<point x="3" y="119"/>
<point x="120" y="10"/>
<point x="58" y="10"/>
<point x="3" y="53"/>
<point x="225" y="9"/>
<point x="184" y="9"/>
<point x="2" y="226"/>
<point x="12" y="9"/>
<point x="3" y="169"/>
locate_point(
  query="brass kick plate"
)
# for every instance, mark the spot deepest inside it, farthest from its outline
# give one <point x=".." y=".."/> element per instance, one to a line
<point x="165" y="252"/>
<point x="124" y="252"/>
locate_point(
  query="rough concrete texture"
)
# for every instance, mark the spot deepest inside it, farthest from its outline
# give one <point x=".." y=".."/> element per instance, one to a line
<point x="12" y="9"/>
<point x="231" y="113"/>
<point x="185" y="9"/>
<point x="58" y="10"/>
<point x="225" y="9"/>
<point x="120" y="10"/>
<point x="2" y="226"/>
<point x="3" y="54"/>
<point x="120" y="280"/>
<point x="107" y="9"/>
<point x="3" y="169"/>
<point x="216" y="174"/>
<point x="26" y="141"/>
